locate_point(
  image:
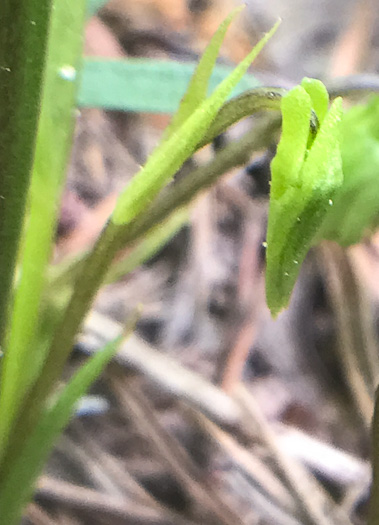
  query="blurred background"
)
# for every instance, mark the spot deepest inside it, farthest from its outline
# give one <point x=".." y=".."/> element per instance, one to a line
<point x="214" y="412"/>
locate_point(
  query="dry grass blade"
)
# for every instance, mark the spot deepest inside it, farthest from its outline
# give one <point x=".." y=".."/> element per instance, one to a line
<point x="164" y="371"/>
<point x="37" y="516"/>
<point x="313" y="503"/>
<point x="268" y="496"/>
<point x="113" y="507"/>
<point x="207" y="505"/>
<point x="333" y="464"/>
<point x="111" y="468"/>
<point x="356" y="341"/>
<point x="91" y="465"/>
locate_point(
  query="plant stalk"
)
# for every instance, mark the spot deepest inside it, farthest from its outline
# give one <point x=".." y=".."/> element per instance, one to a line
<point x="23" y="37"/>
<point x="55" y="129"/>
<point x="94" y="268"/>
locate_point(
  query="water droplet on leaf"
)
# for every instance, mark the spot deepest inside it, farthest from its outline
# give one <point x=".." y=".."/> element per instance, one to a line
<point x="67" y="73"/>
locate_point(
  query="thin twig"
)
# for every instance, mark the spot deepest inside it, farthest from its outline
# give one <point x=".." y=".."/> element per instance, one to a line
<point x="358" y="353"/>
<point x="171" y="376"/>
<point x="116" y="471"/>
<point x="268" y="495"/>
<point x="79" y="455"/>
<point x="85" y="499"/>
<point x="314" y="504"/>
<point x="333" y="464"/>
<point x="250" y="295"/>
<point x="37" y="516"/>
<point x="208" y="506"/>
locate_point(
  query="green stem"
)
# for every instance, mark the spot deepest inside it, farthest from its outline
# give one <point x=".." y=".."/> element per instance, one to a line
<point x="94" y="268"/>
<point x="23" y="37"/>
<point x="115" y="237"/>
<point x="245" y="105"/>
<point x="185" y="190"/>
<point x="148" y="245"/>
<point x="87" y="285"/>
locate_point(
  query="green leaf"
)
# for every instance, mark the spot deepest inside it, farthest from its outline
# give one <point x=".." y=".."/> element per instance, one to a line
<point x="16" y="487"/>
<point x="172" y="153"/>
<point x="198" y="86"/>
<point x="55" y="129"/>
<point x="301" y="194"/>
<point x="144" y="85"/>
<point x="355" y="212"/>
<point x="23" y="39"/>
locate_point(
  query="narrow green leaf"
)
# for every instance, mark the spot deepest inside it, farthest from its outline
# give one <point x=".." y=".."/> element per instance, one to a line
<point x="172" y="153"/>
<point x="198" y="86"/>
<point x="348" y="224"/>
<point x="144" y="85"/>
<point x="16" y="487"/>
<point x="55" y="131"/>
<point x="23" y="39"/>
<point x="297" y="212"/>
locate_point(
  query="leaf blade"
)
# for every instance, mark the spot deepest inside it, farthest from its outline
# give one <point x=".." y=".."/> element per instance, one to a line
<point x="54" y="135"/>
<point x="172" y="153"/>
<point x="198" y="85"/>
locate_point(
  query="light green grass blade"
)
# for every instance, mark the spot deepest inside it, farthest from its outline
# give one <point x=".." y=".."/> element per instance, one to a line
<point x="17" y="485"/>
<point x="169" y="156"/>
<point x="23" y="41"/>
<point x="198" y="86"/>
<point x="53" y="144"/>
